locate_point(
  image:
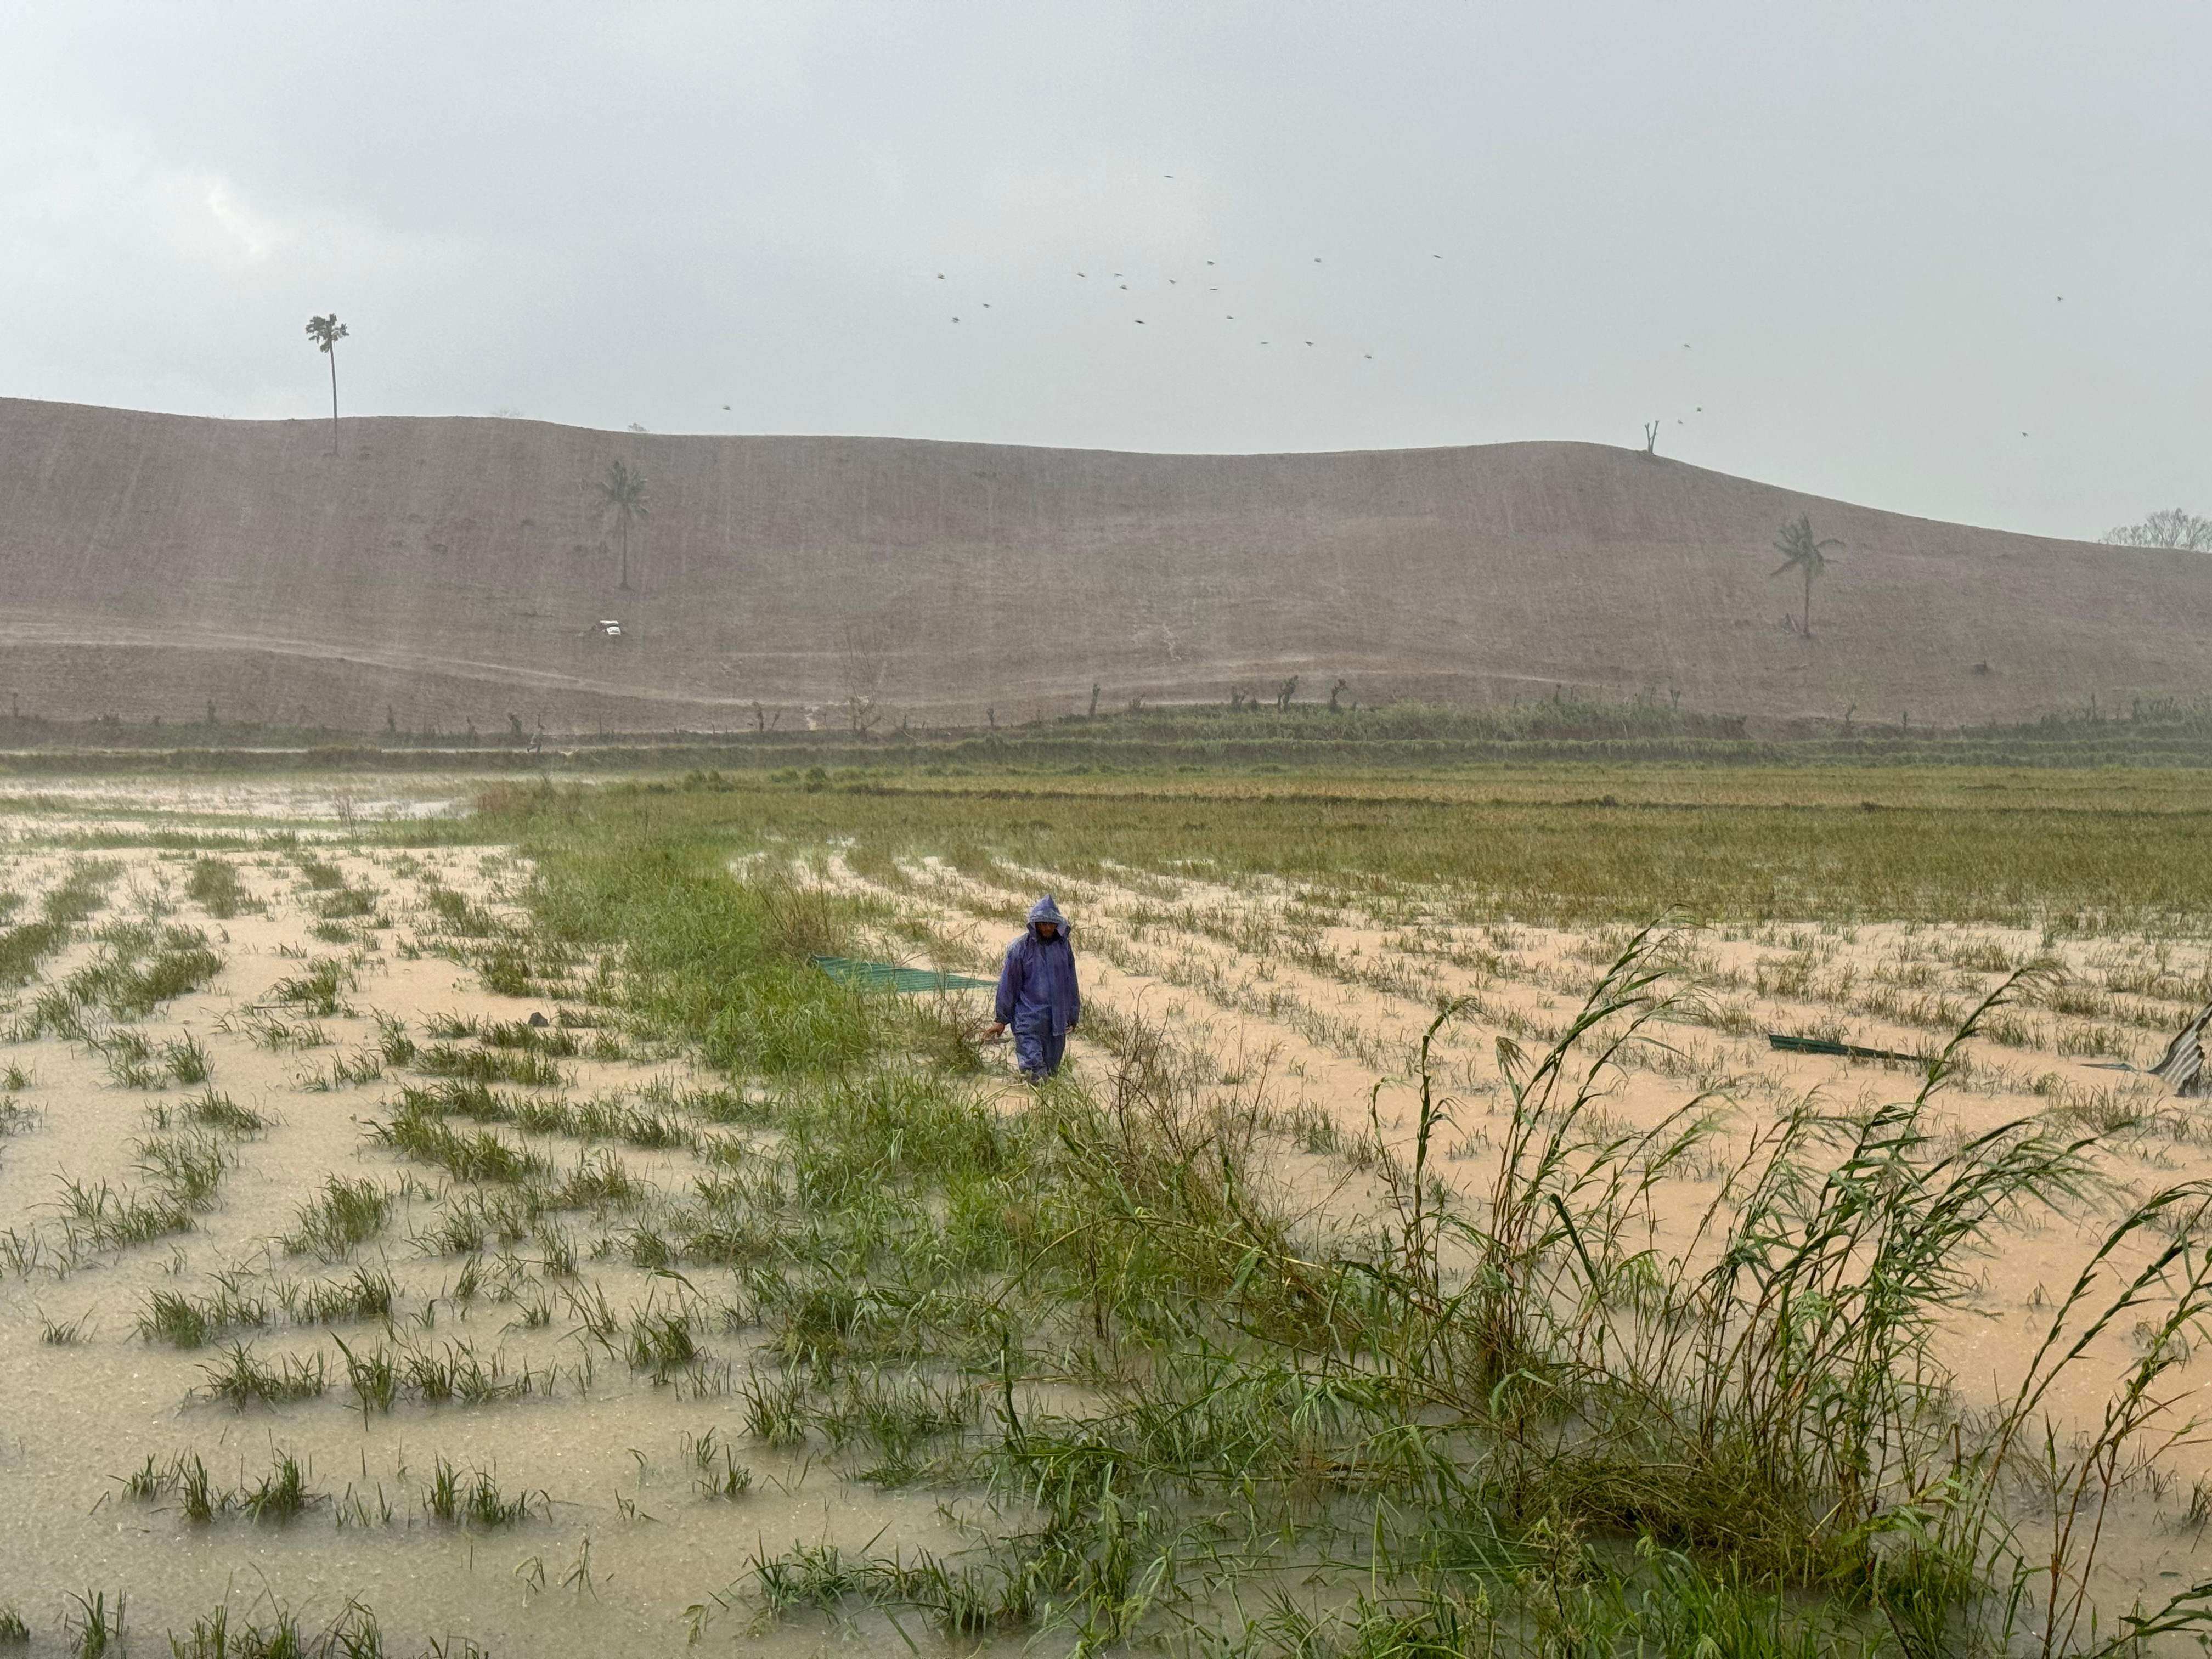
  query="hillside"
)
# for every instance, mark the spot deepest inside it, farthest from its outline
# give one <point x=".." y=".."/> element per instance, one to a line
<point x="447" y="571"/>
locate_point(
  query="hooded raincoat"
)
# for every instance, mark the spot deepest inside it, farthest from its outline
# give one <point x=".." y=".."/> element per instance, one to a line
<point x="1038" y="993"/>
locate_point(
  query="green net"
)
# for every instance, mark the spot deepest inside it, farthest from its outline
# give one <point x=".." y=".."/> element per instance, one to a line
<point x="888" y="976"/>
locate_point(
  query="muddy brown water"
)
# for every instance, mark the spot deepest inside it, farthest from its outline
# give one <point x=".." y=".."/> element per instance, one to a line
<point x="622" y="1545"/>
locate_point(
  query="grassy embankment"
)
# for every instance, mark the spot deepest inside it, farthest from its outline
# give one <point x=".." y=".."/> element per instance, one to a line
<point x="1508" y="1425"/>
<point x="1209" y="736"/>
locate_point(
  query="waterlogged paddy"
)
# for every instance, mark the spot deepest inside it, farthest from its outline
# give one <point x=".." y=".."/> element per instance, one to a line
<point x="1320" y="997"/>
<point x="610" y="1464"/>
<point x="326" y="1278"/>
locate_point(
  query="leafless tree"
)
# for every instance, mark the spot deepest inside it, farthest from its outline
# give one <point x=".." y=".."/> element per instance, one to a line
<point x="2170" y="526"/>
<point x="863" y="664"/>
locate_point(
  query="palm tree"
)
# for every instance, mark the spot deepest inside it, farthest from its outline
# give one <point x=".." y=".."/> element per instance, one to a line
<point x="623" y="494"/>
<point x="1800" y="551"/>
<point x="326" y="332"/>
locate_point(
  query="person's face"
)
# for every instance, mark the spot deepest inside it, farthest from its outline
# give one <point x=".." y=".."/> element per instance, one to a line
<point x="1048" y="930"/>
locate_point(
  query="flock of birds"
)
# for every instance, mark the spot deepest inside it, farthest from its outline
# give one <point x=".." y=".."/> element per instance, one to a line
<point x="1190" y="291"/>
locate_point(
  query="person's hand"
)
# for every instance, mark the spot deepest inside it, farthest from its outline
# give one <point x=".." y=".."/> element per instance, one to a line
<point x="998" y="1030"/>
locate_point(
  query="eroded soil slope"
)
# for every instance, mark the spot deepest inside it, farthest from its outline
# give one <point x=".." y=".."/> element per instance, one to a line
<point x="449" y="570"/>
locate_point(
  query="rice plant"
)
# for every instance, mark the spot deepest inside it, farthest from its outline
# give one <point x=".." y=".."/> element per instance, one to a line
<point x="186" y="1060"/>
<point x="138" y="969"/>
<point x="239" y="1377"/>
<point x="477" y="1500"/>
<point x="422" y="1135"/>
<point x="214" y="887"/>
<point x="365" y="1294"/>
<point x="130" y="1060"/>
<point x="184" y="1321"/>
<point x="394" y="1047"/>
<point x="344" y="1071"/>
<point x="96" y="1629"/>
<point x="64" y="1333"/>
<point x="82" y="893"/>
<point x="720" y="1474"/>
<point x="211" y="1111"/>
<point x="660" y="1342"/>
<point x="526" y="1067"/>
<point x="318" y="992"/>
<point x="190" y="1166"/>
<point x="373" y="1375"/>
<point x="101" y="1215"/>
<point x="345" y="1214"/>
<point x="25" y="947"/>
<point x="282" y="1494"/>
<point x="354" y="1633"/>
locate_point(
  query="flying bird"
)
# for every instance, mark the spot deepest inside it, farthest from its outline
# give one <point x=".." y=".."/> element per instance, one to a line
<point x="956" y="319"/>
<point x="941" y="276"/>
<point x="1141" y="322"/>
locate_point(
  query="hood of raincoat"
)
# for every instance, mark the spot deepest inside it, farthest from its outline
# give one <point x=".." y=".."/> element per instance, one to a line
<point x="1045" y="910"/>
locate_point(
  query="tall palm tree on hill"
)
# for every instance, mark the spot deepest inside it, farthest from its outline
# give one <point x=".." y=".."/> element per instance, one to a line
<point x="1801" y="551"/>
<point x="326" y="332"/>
<point x="621" y="494"/>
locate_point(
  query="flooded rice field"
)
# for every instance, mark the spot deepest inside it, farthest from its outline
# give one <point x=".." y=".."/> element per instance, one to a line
<point x="391" y="1263"/>
<point x="253" y="1353"/>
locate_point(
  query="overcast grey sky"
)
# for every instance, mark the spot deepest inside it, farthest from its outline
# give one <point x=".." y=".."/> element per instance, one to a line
<point x="1825" y="243"/>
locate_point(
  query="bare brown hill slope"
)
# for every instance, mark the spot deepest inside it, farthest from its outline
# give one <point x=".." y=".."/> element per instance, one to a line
<point x="450" y="570"/>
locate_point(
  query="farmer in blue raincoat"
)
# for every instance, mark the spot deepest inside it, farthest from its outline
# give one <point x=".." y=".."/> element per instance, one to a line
<point x="1036" y="992"/>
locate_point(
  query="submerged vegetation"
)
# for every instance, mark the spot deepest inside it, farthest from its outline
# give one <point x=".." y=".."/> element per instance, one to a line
<point x="1525" y="1418"/>
<point x="1160" y="1359"/>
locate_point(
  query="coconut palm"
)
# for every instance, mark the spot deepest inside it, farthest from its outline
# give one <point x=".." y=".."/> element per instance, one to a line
<point x="326" y="332"/>
<point x="1801" y="551"/>
<point x="623" y="494"/>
